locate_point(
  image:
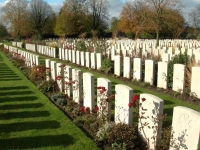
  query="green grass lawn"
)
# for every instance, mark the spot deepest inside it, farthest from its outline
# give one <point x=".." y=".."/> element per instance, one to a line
<point x="28" y="119"/>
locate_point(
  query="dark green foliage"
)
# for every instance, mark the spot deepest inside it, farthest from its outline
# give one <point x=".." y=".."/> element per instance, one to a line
<point x="177" y="59"/>
<point x="57" y="96"/>
<point x="107" y="65"/>
<point x="80" y="46"/>
<point x="47" y="86"/>
<point x="61" y="101"/>
<point x="123" y="134"/>
<point x="23" y="44"/>
<point x="3" y="32"/>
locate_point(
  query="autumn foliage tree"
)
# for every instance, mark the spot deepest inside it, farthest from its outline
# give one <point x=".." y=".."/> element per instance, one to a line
<point x="133" y="18"/>
<point x="16" y="13"/>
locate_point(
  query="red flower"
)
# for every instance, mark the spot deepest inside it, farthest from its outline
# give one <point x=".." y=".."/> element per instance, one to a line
<point x="103" y="88"/>
<point x="47" y="68"/>
<point x="66" y="83"/>
<point x="98" y="87"/>
<point x="73" y="82"/>
<point x="130" y="104"/>
<point x="70" y="78"/>
<point x="134" y="98"/>
<point x="143" y="99"/>
<point x="58" y="77"/>
<point x="82" y="109"/>
<point x="107" y="99"/>
<point x="87" y="109"/>
<point x="101" y="91"/>
<point x="96" y="107"/>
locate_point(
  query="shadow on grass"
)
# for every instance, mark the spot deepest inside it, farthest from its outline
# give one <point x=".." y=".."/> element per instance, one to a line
<point x="18" y="99"/>
<point x="24" y="114"/>
<point x="37" y="142"/>
<point x="8" y="76"/>
<point x="13" y="88"/>
<point x="167" y="102"/>
<point x="23" y="126"/>
<point x="20" y="106"/>
<point x="169" y="112"/>
<point x="9" y="79"/>
<point x="7" y="73"/>
<point x="9" y="93"/>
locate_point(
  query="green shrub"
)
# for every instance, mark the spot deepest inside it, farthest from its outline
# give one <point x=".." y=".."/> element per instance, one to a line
<point x="47" y="86"/>
<point x="61" y="101"/>
<point x="80" y="46"/>
<point x="177" y="59"/>
<point x="107" y="65"/>
<point x="104" y="130"/>
<point x="123" y="134"/>
<point x="57" y="96"/>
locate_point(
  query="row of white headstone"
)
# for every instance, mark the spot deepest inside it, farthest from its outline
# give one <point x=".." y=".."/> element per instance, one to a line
<point x="30" y="59"/>
<point x="94" y="61"/>
<point x="185" y="124"/>
<point x="46" y="50"/>
<point x="162" y="73"/>
<point x="16" y="44"/>
<point x="87" y="59"/>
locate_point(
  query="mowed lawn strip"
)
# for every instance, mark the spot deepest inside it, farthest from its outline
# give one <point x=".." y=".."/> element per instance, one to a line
<point x="28" y="119"/>
<point x="169" y="101"/>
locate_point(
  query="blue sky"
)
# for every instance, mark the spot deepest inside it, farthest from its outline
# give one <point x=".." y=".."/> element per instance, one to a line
<point x="116" y="5"/>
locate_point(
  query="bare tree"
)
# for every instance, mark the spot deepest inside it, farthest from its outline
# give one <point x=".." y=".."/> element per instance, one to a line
<point x="15" y="14"/>
<point x="194" y="17"/>
<point x="99" y="13"/>
<point x="40" y="13"/>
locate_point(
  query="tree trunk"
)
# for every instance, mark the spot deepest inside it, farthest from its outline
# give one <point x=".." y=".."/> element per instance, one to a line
<point x="157" y="38"/>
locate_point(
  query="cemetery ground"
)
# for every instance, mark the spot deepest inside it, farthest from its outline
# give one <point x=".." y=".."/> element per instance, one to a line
<point x="28" y="120"/>
<point x="170" y="101"/>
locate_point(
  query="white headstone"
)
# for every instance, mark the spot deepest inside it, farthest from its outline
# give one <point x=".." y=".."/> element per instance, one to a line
<point x="77" y="85"/>
<point x="117" y="65"/>
<point x="88" y="90"/>
<point x="186" y="129"/>
<point x="99" y="60"/>
<point x="68" y="80"/>
<point x="127" y="67"/>
<point x="123" y="113"/>
<point x="149" y="75"/>
<point x="93" y="60"/>
<point x="87" y="59"/>
<point x="103" y="98"/>
<point x="195" y="82"/>
<point x="60" y="76"/>
<point x="137" y="69"/>
<point x="178" y="78"/>
<point x="150" y="113"/>
<point x="162" y="75"/>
